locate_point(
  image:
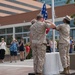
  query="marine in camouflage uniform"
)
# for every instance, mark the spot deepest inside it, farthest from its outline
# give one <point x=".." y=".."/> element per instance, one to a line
<point x="38" y="43"/>
<point x="64" y="43"/>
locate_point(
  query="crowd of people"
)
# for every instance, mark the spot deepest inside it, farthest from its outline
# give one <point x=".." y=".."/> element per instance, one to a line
<point x="72" y="45"/>
<point x="49" y="47"/>
<point x="40" y="44"/>
<point x="23" y="50"/>
<point x="15" y="48"/>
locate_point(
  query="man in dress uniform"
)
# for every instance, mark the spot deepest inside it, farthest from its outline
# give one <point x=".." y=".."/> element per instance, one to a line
<point x="38" y="42"/>
<point x="64" y="43"/>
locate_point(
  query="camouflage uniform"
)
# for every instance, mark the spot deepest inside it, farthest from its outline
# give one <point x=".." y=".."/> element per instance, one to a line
<point x="37" y="30"/>
<point x="64" y="44"/>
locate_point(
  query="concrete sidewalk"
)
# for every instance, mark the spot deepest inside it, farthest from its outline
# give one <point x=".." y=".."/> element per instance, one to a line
<point x="18" y="68"/>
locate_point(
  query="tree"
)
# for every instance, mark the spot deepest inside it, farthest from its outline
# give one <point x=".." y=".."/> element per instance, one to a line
<point x="73" y="16"/>
<point x="68" y="1"/>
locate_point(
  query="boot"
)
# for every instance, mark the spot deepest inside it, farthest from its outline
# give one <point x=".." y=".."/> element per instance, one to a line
<point x="65" y="71"/>
<point x="68" y="69"/>
<point x="39" y="74"/>
<point x="31" y="74"/>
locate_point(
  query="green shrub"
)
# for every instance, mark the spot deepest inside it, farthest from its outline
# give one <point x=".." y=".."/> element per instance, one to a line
<point x="29" y="55"/>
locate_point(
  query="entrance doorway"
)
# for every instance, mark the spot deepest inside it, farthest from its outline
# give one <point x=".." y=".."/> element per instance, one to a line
<point x="26" y="39"/>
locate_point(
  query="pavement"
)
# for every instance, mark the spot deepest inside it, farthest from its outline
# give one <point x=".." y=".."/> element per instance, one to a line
<point x="19" y="68"/>
<point x="16" y="68"/>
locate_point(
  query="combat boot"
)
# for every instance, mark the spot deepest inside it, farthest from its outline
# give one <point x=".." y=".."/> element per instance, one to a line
<point x="39" y="74"/>
<point x="68" y="69"/>
<point x="65" y="71"/>
<point x="31" y="74"/>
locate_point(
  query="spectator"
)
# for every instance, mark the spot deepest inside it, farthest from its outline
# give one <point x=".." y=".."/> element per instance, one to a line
<point x="27" y="48"/>
<point x="13" y="50"/>
<point x="2" y="50"/>
<point x="51" y="45"/>
<point x="48" y="49"/>
<point x="21" y="49"/>
<point x="71" y="45"/>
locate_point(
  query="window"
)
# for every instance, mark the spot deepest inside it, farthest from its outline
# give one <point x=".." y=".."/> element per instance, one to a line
<point x="9" y="30"/>
<point x="18" y="36"/>
<point x="26" y="28"/>
<point x="73" y="33"/>
<point x="28" y="40"/>
<point x="2" y="31"/>
<point x="72" y="23"/>
<point x="24" y="40"/>
<point x="18" y="29"/>
<point x="25" y="35"/>
<point x="9" y="39"/>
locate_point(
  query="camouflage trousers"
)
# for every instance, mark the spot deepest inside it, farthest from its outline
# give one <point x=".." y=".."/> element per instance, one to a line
<point x="64" y="54"/>
<point x="38" y="51"/>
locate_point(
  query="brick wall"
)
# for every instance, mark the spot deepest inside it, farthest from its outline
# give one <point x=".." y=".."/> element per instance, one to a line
<point x="60" y="11"/>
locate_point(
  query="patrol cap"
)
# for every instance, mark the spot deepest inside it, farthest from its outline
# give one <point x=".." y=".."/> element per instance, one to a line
<point x="68" y="18"/>
<point x="39" y="16"/>
<point x="33" y="21"/>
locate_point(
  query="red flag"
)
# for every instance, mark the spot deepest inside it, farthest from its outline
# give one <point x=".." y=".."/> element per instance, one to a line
<point x="47" y="30"/>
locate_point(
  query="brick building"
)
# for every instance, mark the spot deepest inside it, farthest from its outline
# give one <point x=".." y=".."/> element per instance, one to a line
<point x="17" y="25"/>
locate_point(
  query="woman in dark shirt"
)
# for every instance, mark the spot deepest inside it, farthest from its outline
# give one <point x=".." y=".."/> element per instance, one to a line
<point x="21" y="49"/>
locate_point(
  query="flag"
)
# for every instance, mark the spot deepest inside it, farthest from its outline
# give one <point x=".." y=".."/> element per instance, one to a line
<point x="44" y="11"/>
<point x="45" y="15"/>
<point x="47" y="30"/>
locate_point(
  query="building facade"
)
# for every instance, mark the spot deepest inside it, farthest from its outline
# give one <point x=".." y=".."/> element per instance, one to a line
<point x="56" y="2"/>
<point x="19" y="30"/>
<point x="17" y="26"/>
<point x="15" y="31"/>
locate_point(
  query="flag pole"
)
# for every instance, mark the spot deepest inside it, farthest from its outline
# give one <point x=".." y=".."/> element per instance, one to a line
<point x="53" y="14"/>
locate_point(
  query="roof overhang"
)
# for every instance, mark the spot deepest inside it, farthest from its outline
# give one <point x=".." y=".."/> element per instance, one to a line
<point x="12" y="7"/>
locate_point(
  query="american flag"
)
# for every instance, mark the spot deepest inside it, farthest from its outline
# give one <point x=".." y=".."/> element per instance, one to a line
<point x="44" y="11"/>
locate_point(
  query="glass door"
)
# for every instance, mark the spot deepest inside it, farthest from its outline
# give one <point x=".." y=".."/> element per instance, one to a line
<point x="26" y="39"/>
